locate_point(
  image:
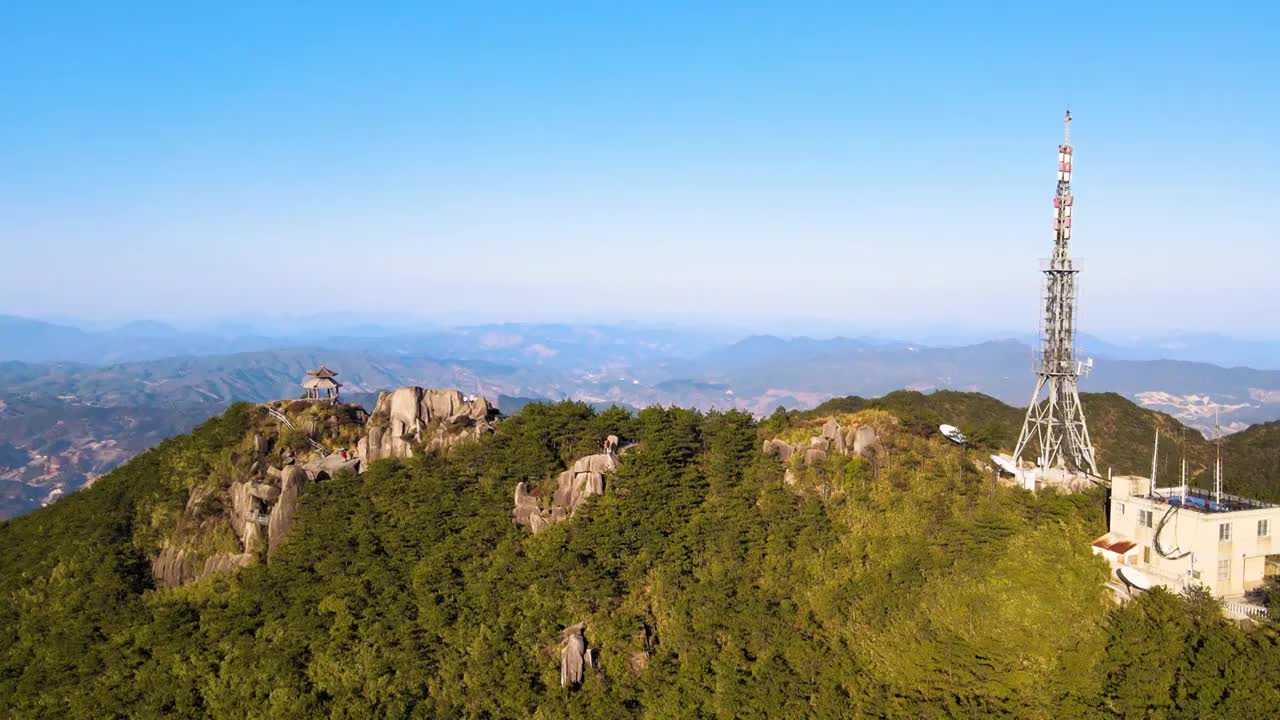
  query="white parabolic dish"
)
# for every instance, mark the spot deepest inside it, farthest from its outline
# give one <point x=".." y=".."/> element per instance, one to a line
<point x="1134" y="577"/>
<point x="1005" y="463"/>
<point x="952" y="433"/>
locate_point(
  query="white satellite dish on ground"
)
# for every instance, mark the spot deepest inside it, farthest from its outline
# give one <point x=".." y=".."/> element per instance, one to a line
<point x="1134" y="578"/>
<point x="952" y="433"/>
<point x="1005" y="463"/>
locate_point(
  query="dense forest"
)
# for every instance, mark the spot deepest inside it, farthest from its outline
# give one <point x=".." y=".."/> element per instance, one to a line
<point x="913" y="586"/>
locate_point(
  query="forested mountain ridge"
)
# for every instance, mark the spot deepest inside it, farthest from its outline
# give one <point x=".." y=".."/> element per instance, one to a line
<point x="914" y="588"/>
<point x="1123" y="436"/>
<point x="152" y="393"/>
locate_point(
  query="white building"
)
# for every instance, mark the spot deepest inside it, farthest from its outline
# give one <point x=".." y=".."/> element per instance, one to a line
<point x="1180" y="536"/>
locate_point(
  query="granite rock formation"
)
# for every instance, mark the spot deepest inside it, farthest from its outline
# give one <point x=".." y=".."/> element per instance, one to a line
<point x="293" y="482"/>
<point x="859" y="441"/>
<point x="172" y="567"/>
<point x="575" y="656"/>
<point x="779" y="448"/>
<point x="434" y="420"/>
<point x="581" y="481"/>
<point x="270" y="474"/>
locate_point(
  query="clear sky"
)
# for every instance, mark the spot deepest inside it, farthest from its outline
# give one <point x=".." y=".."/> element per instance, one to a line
<point x="849" y="166"/>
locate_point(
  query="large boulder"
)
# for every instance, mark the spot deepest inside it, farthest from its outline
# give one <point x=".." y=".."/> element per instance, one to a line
<point x="442" y="404"/>
<point x="329" y="465"/>
<point x="831" y="429"/>
<point x="426" y="418"/>
<point x="526" y="508"/>
<point x="480" y="409"/>
<point x="600" y="463"/>
<point x="575" y="486"/>
<point x="574" y="655"/>
<point x="249" y="501"/>
<point x="863" y="440"/>
<point x="779" y="448"/>
<point x="292" y="484"/>
<point x="403" y="410"/>
<point x="537" y="522"/>
<point x="584" y="479"/>
<point x="563" y="496"/>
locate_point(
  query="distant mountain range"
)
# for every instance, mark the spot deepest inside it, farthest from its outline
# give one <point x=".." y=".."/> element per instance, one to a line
<point x="554" y="345"/>
<point x="74" y="403"/>
<point x="30" y="340"/>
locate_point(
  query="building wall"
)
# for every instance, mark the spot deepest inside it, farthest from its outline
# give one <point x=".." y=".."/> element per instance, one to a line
<point x="1187" y="530"/>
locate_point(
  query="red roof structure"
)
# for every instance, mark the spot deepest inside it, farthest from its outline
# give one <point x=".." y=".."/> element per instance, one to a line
<point x="1119" y="546"/>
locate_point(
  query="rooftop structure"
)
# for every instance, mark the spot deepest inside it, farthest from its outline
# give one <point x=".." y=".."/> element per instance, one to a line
<point x="321" y="385"/>
<point x="1054" y="431"/>
<point x="1182" y="536"/>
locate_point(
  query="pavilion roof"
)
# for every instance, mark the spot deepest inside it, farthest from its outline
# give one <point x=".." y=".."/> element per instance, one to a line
<point x="322" y="372"/>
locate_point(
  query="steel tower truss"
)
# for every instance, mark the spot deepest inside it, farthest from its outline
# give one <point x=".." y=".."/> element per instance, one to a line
<point x="1055" y="425"/>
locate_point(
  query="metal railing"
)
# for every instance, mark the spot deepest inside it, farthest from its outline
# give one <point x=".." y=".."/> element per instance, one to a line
<point x="1246" y="609"/>
<point x="289" y="424"/>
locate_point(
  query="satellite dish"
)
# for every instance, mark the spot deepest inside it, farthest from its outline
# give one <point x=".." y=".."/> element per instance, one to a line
<point x="952" y="433"/>
<point x="1134" y="578"/>
<point x="1005" y="463"/>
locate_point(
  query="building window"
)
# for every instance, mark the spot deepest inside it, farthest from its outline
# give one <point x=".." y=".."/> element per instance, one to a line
<point x="1224" y="569"/>
<point x="1121" y="508"/>
<point x="1224" y="532"/>
<point x="1146" y="555"/>
<point x="1144" y="518"/>
<point x="1264" y="528"/>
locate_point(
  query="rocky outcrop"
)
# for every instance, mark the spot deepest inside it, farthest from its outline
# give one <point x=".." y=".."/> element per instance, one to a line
<point x="433" y="420"/>
<point x="779" y="448"/>
<point x="172" y="567"/>
<point x="292" y="484"/>
<point x="227" y="562"/>
<point x="528" y="511"/>
<point x="863" y="440"/>
<point x="859" y="441"/>
<point x="581" y="481"/>
<point x="814" y="456"/>
<point x="323" y="468"/>
<point x="177" y="566"/>
<point x="271" y="476"/>
<point x="575" y="656"/>
<point x="835" y="436"/>
<point x="249" y="503"/>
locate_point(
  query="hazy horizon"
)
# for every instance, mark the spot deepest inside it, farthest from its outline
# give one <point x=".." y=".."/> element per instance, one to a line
<point x="324" y="327"/>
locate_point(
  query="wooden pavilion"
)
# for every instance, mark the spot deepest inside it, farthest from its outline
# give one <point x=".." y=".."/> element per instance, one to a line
<point x="321" y="385"/>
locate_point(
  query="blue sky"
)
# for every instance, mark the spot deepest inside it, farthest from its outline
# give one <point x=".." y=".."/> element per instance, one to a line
<point x="778" y="166"/>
